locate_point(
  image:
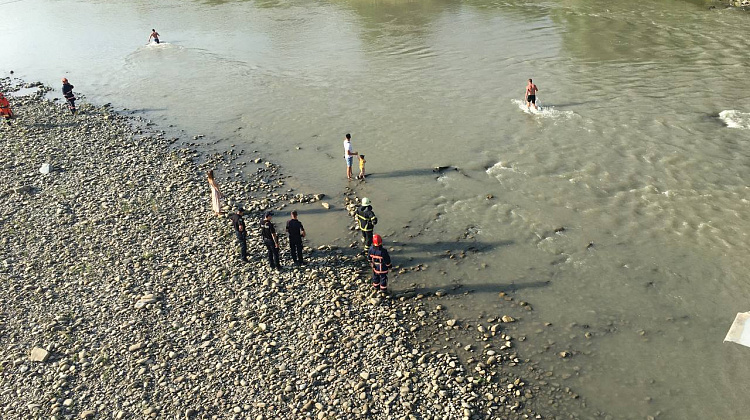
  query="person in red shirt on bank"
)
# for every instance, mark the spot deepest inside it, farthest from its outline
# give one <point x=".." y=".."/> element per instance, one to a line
<point x="5" y="111"/>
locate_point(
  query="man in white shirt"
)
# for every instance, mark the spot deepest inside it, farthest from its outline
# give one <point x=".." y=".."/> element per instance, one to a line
<point x="349" y="155"/>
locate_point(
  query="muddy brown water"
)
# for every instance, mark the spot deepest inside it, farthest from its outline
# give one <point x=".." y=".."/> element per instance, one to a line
<point x="639" y="159"/>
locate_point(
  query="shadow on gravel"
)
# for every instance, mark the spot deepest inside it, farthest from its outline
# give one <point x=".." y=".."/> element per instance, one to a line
<point x="71" y="123"/>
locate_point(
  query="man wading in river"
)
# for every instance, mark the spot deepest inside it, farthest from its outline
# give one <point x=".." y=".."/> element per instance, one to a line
<point x="531" y="91"/>
<point x="154" y="35"/>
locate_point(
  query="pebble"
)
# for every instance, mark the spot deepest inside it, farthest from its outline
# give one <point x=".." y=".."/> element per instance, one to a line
<point x="136" y="346"/>
<point x="39" y="354"/>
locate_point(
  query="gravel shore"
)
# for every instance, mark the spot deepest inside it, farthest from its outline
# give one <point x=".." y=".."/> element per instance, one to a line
<point x="123" y="296"/>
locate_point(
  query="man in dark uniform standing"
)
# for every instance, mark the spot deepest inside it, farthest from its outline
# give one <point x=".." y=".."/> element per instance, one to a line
<point x="296" y="232"/>
<point x="239" y="230"/>
<point x="380" y="262"/>
<point x="67" y="91"/>
<point x="271" y="240"/>
<point x="366" y="221"/>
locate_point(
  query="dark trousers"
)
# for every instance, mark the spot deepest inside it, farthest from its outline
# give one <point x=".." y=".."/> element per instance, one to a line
<point x="72" y="105"/>
<point x="296" y="248"/>
<point x="273" y="254"/>
<point x="380" y="281"/>
<point x="242" y="241"/>
<point x="367" y="236"/>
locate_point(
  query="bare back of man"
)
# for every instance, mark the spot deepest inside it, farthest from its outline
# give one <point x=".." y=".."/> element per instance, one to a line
<point x="154" y="35"/>
<point x="531" y="91"/>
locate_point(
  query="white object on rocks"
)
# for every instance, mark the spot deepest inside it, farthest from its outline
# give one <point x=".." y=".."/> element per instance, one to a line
<point x="739" y="332"/>
<point x="39" y="354"/>
<point x="45" y="168"/>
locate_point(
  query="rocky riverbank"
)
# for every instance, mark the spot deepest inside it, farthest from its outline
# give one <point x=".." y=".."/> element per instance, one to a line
<point x="123" y="296"/>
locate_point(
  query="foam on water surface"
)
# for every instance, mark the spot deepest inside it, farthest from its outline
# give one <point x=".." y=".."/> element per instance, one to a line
<point x="545" y="111"/>
<point x="735" y="119"/>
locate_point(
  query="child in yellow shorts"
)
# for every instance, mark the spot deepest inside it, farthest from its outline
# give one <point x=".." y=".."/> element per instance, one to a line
<point x="361" y="167"/>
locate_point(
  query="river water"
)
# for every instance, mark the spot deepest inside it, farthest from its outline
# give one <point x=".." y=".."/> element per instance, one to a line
<point x="641" y="155"/>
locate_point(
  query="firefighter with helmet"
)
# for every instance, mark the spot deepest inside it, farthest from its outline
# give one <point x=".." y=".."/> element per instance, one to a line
<point x="366" y="221"/>
<point x="380" y="262"/>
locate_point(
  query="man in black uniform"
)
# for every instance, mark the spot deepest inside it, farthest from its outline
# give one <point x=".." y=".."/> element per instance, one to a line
<point x="67" y="90"/>
<point x="366" y="220"/>
<point x="268" y="232"/>
<point x="296" y="232"/>
<point x="239" y="229"/>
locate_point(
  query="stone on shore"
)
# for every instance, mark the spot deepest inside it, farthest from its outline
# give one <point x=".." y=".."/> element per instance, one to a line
<point x="39" y="354"/>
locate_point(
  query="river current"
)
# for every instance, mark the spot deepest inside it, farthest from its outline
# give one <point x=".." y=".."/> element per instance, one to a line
<point x="620" y="212"/>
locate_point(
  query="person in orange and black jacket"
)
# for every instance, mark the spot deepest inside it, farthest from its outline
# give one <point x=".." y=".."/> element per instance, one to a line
<point x="380" y="262"/>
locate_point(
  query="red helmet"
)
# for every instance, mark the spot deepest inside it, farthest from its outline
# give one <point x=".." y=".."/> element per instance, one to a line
<point x="377" y="240"/>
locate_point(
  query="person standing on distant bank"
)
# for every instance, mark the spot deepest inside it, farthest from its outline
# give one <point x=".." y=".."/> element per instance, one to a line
<point x="5" y="111"/>
<point x="531" y="91"/>
<point x="67" y="90"/>
<point x="349" y="155"/>
<point x="239" y="230"/>
<point x="215" y="193"/>
<point x="270" y="240"/>
<point x="154" y="35"/>
<point x="296" y="232"/>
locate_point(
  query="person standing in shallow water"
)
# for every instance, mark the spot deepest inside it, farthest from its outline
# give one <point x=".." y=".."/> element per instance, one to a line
<point x="349" y="155"/>
<point x="67" y="90"/>
<point x="215" y="193"/>
<point x="531" y="91"/>
<point x="154" y="35"/>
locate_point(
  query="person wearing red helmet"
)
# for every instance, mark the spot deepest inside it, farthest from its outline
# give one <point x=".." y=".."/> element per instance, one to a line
<point x="5" y="111"/>
<point x="380" y="262"/>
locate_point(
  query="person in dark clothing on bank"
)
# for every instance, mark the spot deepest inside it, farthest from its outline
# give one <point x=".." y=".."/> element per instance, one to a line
<point x="380" y="262"/>
<point x="270" y="240"/>
<point x="67" y="91"/>
<point x="239" y="230"/>
<point x="296" y="232"/>
<point x="366" y="222"/>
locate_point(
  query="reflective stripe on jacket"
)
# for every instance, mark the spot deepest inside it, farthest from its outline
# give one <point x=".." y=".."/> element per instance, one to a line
<point x="366" y="218"/>
<point x="380" y="261"/>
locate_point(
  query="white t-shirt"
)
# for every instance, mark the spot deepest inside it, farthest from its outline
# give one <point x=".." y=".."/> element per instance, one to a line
<point x="347" y="148"/>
